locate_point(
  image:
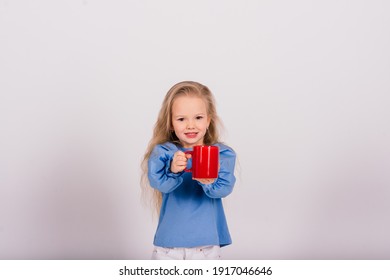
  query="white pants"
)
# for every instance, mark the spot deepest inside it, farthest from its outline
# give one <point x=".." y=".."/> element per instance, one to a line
<point x="196" y="253"/>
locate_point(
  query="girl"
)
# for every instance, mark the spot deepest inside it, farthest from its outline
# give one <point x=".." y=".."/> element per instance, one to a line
<point x="192" y="223"/>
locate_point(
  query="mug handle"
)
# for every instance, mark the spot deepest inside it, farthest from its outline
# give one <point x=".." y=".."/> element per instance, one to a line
<point x="186" y="169"/>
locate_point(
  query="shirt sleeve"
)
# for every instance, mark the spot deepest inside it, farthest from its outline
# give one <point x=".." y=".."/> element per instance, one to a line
<point x="224" y="184"/>
<point x="159" y="169"/>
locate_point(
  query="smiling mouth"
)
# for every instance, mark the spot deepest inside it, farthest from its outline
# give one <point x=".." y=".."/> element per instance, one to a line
<point x="191" y="134"/>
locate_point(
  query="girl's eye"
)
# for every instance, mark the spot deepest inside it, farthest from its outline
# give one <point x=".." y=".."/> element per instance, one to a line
<point x="199" y="117"/>
<point x="180" y="119"/>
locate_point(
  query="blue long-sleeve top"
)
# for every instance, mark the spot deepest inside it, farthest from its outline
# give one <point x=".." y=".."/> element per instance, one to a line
<point x="191" y="213"/>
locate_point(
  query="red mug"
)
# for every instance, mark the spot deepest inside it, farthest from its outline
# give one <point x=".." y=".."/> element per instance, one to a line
<point x="205" y="162"/>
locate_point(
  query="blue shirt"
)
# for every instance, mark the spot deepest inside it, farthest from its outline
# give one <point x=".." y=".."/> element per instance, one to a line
<point x="191" y="213"/>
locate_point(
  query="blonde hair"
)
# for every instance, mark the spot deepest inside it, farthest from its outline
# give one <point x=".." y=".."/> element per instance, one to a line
<point x="163" y="131"/>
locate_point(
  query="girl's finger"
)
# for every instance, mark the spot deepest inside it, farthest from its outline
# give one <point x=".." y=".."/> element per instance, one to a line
<point x="181" y="162"/>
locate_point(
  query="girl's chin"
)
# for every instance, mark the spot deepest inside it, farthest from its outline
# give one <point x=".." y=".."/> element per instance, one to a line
<point x="190" y="144"/>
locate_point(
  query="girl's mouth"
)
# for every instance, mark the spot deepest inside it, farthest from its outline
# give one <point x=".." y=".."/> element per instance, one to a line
<point x="191" y="134"/>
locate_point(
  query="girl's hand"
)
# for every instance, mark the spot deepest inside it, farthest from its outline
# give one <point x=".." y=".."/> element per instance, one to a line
<point x="179" y="161"/>
<point x="208" y="181"/>
<point x="205" y="181"/>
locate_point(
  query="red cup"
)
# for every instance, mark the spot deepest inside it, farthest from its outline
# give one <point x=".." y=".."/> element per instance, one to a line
<point x="205" y="162"/>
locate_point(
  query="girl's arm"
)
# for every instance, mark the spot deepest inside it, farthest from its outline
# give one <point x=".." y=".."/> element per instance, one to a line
<point x="224" y="184"/>
<point x="159" y="169"/>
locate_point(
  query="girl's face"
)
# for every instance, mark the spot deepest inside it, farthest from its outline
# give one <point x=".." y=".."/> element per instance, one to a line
<point x="190" y="120"/>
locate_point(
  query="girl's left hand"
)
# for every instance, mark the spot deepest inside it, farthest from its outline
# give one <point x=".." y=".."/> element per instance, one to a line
<point x="208" y="181"/>
<point x="205" y="181"/>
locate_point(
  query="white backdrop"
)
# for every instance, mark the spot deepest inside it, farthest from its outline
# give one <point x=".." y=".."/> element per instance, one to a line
<point x="301" y="86"/>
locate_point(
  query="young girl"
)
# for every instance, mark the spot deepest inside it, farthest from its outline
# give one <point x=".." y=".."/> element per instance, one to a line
<point x="192" y="223"/>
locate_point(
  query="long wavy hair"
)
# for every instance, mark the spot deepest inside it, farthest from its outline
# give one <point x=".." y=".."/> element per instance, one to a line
<point x="163" y="131"/>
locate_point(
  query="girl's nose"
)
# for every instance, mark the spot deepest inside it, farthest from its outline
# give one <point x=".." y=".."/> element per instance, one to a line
<point x="190" y="125"/>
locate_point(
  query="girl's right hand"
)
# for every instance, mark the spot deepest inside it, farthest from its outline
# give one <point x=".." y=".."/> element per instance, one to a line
<point x="179" y="161"/>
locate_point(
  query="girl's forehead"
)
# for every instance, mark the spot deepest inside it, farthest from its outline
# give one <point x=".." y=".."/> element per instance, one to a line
<point x="189" y="103"/>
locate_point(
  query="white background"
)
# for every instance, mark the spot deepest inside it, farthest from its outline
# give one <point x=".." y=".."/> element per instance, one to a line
<point x="301" y="86"/>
